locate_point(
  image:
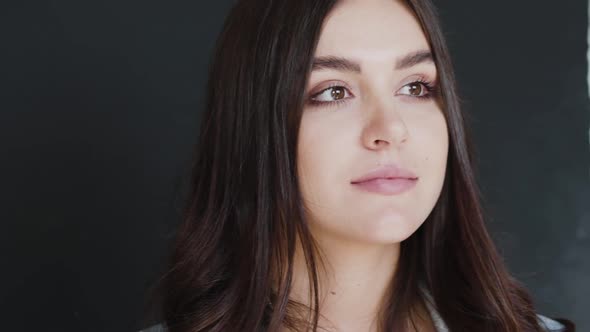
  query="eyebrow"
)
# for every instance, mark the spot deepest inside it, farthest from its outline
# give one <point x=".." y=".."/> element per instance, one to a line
<point x="344" y="64"/>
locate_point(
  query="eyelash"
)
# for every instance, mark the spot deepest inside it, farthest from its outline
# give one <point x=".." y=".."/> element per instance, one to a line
<point x="431" y="91"/>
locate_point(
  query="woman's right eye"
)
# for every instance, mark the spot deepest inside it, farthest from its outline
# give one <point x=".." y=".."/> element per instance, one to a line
<point x="330" y="95"/>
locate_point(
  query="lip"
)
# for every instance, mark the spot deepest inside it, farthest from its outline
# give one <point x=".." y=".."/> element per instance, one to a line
<point x="387" y="172"/>
<point x="388" y="180"/>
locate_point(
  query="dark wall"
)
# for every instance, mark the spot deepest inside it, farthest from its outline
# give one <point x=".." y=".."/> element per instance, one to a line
<point x="99" y="109"/>
<point x="522" y="68"/>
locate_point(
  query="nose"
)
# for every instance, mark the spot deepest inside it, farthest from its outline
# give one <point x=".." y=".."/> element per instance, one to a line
<point x="384" y="126"/>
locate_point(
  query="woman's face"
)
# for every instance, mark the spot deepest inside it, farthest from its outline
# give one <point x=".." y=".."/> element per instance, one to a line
<point x="366" y="108"/>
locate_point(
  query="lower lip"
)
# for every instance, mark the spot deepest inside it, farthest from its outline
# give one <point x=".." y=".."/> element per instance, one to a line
<point x="387" y="186"/>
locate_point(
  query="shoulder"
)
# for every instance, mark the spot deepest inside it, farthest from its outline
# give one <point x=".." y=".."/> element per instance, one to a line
<point x="552" y="325"/>
<point x="155" y="328"/>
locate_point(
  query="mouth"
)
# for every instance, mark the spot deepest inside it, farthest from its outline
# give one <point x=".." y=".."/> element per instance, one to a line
<point x="387" y="186"/>
<point x="388" y="179"/>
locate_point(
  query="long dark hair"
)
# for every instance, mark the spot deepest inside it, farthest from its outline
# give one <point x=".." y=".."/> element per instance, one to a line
<point x="232" y="261"/>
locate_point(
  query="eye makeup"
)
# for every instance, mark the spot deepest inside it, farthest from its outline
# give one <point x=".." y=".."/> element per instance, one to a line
<point x="429" y="91"/>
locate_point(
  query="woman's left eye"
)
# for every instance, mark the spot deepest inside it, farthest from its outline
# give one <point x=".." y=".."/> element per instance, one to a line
<point x="418" y="89"/>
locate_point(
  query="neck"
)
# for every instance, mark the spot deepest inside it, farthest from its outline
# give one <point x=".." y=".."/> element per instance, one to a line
<point x="352" y="286"/>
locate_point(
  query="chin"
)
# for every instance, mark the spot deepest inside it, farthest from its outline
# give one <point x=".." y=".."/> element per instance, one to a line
<point x="390" y="230"/>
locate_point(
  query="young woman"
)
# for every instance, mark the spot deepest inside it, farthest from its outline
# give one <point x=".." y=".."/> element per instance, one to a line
<point x="333" y="187"/>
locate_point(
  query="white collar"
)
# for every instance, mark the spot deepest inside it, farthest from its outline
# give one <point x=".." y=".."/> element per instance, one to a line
<point x="547" y="323"/>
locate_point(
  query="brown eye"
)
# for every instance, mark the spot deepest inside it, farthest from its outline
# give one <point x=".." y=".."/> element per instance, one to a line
<point x="419" y="89"/>
<point x="337" y="92"/>
<point x="416" y="89"/>
<point x="331" y="94"/>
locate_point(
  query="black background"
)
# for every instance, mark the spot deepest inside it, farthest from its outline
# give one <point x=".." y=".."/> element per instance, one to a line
<point x="100" y="104"/>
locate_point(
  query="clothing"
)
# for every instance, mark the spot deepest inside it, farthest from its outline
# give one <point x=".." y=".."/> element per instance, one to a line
<point x="548" y="324"/>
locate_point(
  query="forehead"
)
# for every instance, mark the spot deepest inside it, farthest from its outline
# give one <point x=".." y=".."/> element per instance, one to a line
<point x="366" y="29"/>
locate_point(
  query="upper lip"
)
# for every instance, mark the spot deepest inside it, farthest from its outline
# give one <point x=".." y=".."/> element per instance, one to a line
<point x="389" y="171"/>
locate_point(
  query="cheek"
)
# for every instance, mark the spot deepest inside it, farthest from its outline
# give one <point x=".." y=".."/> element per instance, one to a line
<point x="432" y="145"/>
<point x="324" y="150"/>
<point x="431" y="151"/>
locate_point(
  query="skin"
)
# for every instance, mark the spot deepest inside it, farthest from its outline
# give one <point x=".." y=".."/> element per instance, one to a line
<point x="379" y="120"/>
